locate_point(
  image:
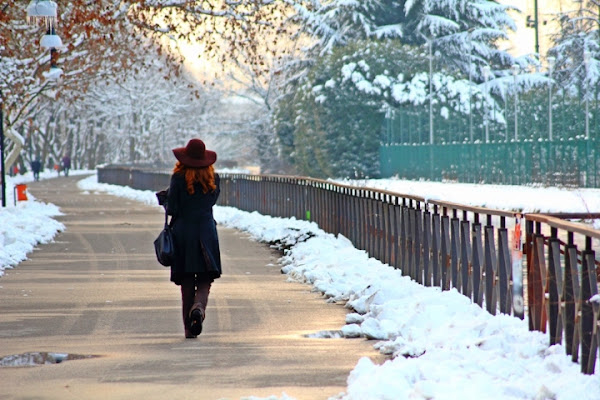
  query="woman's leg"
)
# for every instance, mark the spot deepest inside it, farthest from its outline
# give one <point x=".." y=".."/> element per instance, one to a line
<point x="188" y="288"/>
<point x="198" y="312"/>
<point x="201" y="296"/>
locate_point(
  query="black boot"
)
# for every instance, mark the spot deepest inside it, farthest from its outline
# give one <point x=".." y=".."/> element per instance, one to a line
<point x="196" y="319"/>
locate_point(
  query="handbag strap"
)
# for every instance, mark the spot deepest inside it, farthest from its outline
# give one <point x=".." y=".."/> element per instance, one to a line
<point x="166" y="218"/>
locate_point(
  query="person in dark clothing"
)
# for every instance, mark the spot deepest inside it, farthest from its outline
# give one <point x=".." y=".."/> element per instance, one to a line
<point x="193" y="191"/>
<point x="36" y="166"/>
<point x="66" y="164"/>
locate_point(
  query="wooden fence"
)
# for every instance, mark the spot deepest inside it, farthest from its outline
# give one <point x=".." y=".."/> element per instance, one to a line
<point x="442" y="244"/>
<point x="563" y="271"/>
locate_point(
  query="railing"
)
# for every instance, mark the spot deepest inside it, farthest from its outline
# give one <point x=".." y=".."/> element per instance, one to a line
<point x="442" y="244"/>
<point x="562" y="280"/>
<point x="134" y="177"/>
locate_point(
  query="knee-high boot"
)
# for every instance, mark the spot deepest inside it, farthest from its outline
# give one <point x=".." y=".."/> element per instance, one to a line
<point x="187" y="300"/>
<point x="201" y="297"/>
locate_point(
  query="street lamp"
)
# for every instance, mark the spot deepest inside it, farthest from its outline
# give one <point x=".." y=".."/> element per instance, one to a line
<point x="2" y="172"/>
<point x="470" y="38"/>
<point x="470" y="95"/>
<point x="486" y="76"/>
<point x="51" y="41"/>
<point x="515" y="70"/>
<point x="430" y="92"/>
<point x="551" y="62"/>
<point x="46" y="11"/>
<point x="586" y="61"/>
<point x="37" y="10"/>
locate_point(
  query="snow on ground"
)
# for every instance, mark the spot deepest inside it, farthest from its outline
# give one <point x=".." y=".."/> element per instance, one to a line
<point x="526" y="199"/>
<point x="25" y="224"/>
<point x="443" y="347"/>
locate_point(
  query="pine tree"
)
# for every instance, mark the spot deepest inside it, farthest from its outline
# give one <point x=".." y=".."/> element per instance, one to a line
<point x="371" y="56"/>
<point x="579" y="34"/>
<point x="463" y="32"/>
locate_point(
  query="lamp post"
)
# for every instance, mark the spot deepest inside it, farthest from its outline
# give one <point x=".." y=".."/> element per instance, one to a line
<point x="388" y="124"/>
<point x="431" y="156"/>
<point x="515" y="71"/>
<point x="586" y="61"/>
<point x="505" y="87"/>
<point x="430" y="92"/>
<point x="46" y="11"/>
<point x="36" y="10"/>
<point x="51" y="41"/>
<point x="551" y="62"/>
<point x="2" y="172"/>
<point x="470" y="94"/>
<point x="486" y="76"/>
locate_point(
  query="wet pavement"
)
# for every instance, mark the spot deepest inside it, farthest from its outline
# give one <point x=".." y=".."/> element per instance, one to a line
<point x="92" y="315"/>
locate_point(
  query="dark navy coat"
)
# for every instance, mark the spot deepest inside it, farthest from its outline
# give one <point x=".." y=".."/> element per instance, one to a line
<point x="194" y="230"/>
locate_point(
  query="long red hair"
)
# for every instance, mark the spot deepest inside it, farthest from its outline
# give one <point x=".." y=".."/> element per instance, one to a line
<point x="205" y="176"/>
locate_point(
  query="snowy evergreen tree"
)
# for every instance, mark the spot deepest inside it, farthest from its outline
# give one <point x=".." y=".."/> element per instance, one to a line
<point x="463" y="32"/>
<point x="577" y="69"/>
<point x="378" y="54"/>
<point x="579" y="35"/>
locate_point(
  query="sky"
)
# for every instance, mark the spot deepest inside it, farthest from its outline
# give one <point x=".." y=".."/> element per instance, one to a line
<point x="441" y="345"/>
<point x="523" y="40"/>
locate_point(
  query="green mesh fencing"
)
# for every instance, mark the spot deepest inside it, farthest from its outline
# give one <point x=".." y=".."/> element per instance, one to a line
<point x="511" y="143"/>
<point x="573" y="163"/>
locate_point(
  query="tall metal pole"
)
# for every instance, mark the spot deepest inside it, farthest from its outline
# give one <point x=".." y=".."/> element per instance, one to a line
<point x="431" y="157"/>
<point x="551" y="61"/>
<point x="515" y="71"/>
<point x="430" y="92"/>
<point x="470" y="92"/>
<point x="2" y="172"/>
<point x="506" y="112"/>
<point x="587" y="118"/>
<point x="586" y="62"/>
<point x="486" y="76"/>
<point x="537" y="34"/>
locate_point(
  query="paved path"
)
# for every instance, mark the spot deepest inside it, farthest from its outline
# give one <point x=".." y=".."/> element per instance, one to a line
<point x="97" y="290"/>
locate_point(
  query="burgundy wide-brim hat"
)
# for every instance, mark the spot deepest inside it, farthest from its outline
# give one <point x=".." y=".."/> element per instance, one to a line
<point x="195" y="155"/>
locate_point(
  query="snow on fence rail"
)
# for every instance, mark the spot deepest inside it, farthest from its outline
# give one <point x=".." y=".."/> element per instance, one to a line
<point x="441" y="244"/>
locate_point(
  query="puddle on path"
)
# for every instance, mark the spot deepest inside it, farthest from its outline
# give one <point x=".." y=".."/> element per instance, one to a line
<point x="39" y="358"/>
<point x="325" y="335"/>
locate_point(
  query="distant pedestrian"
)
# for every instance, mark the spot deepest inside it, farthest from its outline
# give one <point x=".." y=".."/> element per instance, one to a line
<point x="36" y="166"/>
<point x="66" y="164"/>
<point x="192" y="193"/>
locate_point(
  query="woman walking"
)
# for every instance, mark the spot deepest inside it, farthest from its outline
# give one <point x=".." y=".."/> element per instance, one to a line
<point x="193" y="192"/>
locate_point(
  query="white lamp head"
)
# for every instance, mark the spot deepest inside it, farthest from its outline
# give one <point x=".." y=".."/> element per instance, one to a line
<point x="42" y="10"/>
<point x="54" y="74"/>
<point x="50" y="41"/>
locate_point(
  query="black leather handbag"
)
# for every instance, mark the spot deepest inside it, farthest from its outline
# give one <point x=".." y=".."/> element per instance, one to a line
<point x="164" y="245"/>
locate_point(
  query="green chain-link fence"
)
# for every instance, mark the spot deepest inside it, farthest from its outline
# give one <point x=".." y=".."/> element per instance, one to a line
<point x="518" y="147"/>
<point x="565" y="163"/>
